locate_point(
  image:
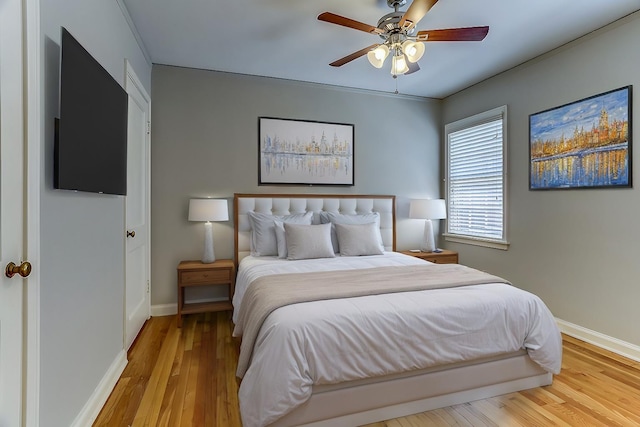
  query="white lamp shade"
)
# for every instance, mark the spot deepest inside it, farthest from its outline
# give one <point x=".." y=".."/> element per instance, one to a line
<point x="208" y="210"/>
<point x="413" y="50"/>
<point x="399" y="65"/>
<point x="377" y="56"/>
<point x="428" y="209"/>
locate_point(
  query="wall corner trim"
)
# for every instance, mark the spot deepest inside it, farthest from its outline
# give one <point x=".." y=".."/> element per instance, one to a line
<point x="171" y="309"/>
<point x="615" y="345"/>
<point x="164" y="309"/>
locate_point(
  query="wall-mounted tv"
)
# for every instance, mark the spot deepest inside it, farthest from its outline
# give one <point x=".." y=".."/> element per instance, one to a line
<point x="91" y="135"/>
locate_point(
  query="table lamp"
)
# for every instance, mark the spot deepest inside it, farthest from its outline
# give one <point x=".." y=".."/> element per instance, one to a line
<point x="208" y="210"/>
<point x="428" y="209"/>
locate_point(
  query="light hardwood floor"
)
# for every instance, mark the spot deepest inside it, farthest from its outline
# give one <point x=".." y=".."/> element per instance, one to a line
<point x="186" y="377"/>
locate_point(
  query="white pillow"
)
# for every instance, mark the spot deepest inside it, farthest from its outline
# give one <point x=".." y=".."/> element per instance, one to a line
<point x="308" y="241"/>
<point x="263" y="235"/>
<point x="281" y="240"/>
<point x="336" y="218"/>
<point x="358" y="239"/>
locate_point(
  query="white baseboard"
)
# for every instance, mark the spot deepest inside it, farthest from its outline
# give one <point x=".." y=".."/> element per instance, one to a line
<point x="171" y="309"/>
<point x="615" y="345"/>
<point x="96" y="401"/>
<point x="164" y="310"/>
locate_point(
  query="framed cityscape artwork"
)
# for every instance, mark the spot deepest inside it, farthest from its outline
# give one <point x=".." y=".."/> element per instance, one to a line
<point x="585" y="144"/>
<point x="299" y="152"/>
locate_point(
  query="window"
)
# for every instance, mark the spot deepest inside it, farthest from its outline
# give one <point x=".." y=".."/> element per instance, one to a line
<point x="476" y="179"/>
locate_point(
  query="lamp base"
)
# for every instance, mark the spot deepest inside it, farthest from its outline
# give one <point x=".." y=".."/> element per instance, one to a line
<point x="208" y="256"/>
<point x="428" y="242"/>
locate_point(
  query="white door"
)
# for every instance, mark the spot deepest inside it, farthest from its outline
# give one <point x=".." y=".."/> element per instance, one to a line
<point x="12" y="225"/>
<point x="137" y="298"/>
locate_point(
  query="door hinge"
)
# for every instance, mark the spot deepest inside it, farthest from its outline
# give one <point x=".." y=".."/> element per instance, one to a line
<point x="148" y="127"/>
<point x="148" y="286"/>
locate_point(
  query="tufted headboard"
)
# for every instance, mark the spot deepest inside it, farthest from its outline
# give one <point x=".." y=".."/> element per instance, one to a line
<point x="284" y="204"/>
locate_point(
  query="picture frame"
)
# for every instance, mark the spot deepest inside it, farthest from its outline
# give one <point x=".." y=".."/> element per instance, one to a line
<point x="304" y="152"/>
<point x="583" y="144"/>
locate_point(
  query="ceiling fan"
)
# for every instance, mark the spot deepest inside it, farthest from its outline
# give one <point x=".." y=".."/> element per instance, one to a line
<point x="398" y="30"/>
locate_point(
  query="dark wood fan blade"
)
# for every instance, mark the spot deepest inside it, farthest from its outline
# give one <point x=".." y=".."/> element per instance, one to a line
<point x="355" y="55"/>
<point x="349" y="23"/>
<point x="415" y="13"/>
<point x="469" y="34"/>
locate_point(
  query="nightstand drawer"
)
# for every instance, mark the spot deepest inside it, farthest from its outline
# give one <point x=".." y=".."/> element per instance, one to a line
<point x="208" y="276"/>
<point x="450" y="259"/>
<point x="443" y="257"/>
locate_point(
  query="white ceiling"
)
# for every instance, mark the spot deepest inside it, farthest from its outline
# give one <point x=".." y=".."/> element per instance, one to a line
<point x="283" y="38"/>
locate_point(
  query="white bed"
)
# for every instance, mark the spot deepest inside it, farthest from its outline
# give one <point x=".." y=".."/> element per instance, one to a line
<point x="354" y="361"/>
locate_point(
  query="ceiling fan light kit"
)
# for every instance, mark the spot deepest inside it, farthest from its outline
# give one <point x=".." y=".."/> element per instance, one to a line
<point x="399" y="65"/>
<point x="413" y="50"/>
<point x="397" y="29"/>
<point x="377" y="56"/>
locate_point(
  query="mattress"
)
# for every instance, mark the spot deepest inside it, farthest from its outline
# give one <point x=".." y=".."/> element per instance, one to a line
<point x="320" y="343"/>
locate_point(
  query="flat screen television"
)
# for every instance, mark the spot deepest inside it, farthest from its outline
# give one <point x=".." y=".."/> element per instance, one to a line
<point x="90" y="151"/>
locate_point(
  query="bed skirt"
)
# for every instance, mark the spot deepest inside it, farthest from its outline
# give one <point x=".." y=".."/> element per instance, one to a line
<point x="377" y="399"/>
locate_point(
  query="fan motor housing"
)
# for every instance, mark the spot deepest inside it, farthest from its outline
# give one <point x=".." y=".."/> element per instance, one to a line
<point x="390" y="24"/>
<point x="394" y="4"/>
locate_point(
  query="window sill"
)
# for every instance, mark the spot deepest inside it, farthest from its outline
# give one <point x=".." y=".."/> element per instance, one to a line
<point x="487" y="243"/>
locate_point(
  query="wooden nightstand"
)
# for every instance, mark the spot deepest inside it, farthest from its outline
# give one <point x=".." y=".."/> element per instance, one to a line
<point x="195" y="273"/>
<point x="444" y="257"/>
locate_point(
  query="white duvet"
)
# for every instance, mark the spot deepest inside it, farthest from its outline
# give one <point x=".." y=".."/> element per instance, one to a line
<point x="331" y="341"/>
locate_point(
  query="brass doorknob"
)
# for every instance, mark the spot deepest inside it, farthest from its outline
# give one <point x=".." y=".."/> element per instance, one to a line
<point x="24" y="269"/>
<point x="131" y="233"/>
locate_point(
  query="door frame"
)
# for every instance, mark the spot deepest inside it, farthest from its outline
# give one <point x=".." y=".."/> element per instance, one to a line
<point x="13" y="182"/>
<point x="34" y="96"/>
<point x="132" y="78"/>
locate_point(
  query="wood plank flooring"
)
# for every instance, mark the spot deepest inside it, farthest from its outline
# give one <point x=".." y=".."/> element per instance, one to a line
<point x="186" y="377"/>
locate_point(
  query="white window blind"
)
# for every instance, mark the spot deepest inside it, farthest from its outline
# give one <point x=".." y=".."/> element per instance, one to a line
<point x="476" y="177"/>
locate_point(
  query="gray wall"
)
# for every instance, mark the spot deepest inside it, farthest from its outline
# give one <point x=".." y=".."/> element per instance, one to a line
<point x="576" y="249"/>
<point x="205" y="143"/>
<point x="82" y="235"/>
